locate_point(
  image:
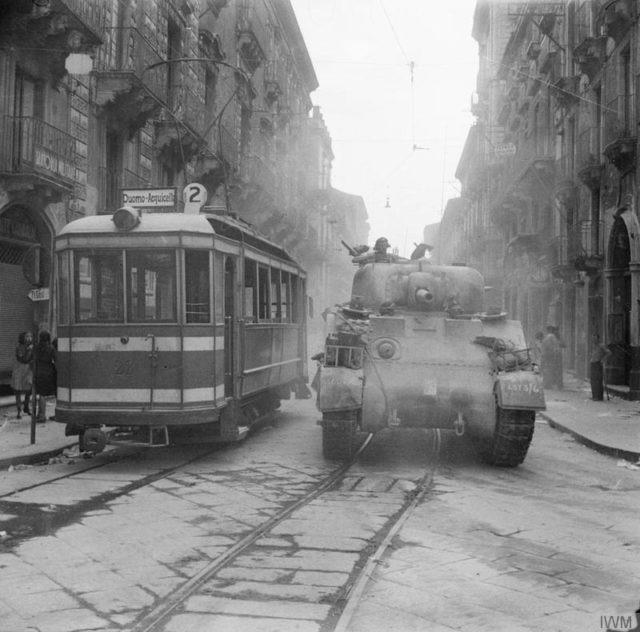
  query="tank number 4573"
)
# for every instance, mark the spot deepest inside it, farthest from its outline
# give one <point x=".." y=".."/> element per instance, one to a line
<point x="523" y="387"/>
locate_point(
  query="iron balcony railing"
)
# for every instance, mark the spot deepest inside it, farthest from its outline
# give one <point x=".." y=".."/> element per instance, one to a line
<point x="584" y="240"/>
<point x="29" y="145"/>
<point x="126" y="51"/>
<point x="91" y="13"/>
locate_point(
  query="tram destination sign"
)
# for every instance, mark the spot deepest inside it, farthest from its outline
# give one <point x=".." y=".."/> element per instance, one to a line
<point x="151" y="200"/>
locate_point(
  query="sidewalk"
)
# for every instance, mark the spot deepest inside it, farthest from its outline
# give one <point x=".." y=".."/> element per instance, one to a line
<point x="15" y="437"/>
<point x="611" y="426"/>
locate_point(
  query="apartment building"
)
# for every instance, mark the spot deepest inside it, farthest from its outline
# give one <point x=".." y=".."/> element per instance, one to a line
<point x="549" y="173"/>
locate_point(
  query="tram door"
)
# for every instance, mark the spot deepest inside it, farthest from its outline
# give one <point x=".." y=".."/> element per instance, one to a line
<point x="229" y="319"/>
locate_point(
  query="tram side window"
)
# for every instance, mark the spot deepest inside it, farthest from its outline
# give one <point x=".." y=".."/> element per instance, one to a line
<point x="98" y="286"/>
<point x="296" y="303"/>
<point x="151" y="290"/>
<point x="63" y="288"/>
<point x="250" y="289"/>
<point x="197" y="297"/>
<point x="264" y="304"/>
<point x="218" y="287"/>
<point x="276" y="301"/>
<point x="285" y="297"/>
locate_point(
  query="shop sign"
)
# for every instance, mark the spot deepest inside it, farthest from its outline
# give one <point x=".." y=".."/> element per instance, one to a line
<point x="153" y="200"/>
<point x="12" y="227"/>
<point x="39" y="294"/>
<point x="505" y="149"/>
<point x="43" y="159"/>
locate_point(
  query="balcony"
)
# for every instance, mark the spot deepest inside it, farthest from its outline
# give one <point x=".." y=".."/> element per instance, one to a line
<point x="590" y="55"/>
<point x="110" y="185"/>
<point x="39" y="153"/>
<point x="619" y="135"/>
<point x="565" y="90"/>
<point x="617" y="18"/>
<point x="179" y="128"/>
<point x="130" y="92"/>
<point x="52" y="30"/>
<point x="252" y="36"/>
<point x="273" y="83"/>
<point x="589" y="163"/>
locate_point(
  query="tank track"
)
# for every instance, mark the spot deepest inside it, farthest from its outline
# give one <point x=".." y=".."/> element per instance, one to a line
<point x="512" y="437"/>
<point x="339" y="435"/>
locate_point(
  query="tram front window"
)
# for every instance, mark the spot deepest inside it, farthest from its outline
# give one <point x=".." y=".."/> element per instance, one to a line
<point x="98" y="286"/>
<point x="151" y="290"/>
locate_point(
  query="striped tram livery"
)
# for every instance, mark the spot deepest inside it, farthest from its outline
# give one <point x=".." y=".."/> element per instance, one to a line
<point x="167" y="319"/>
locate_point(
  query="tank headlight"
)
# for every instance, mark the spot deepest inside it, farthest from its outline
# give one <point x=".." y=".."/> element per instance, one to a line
<point x="386" y="349"/>
<point x="126" y="218"/>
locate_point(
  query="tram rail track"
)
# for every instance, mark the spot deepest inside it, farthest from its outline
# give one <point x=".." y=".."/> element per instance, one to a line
<point x="153" y="620"/>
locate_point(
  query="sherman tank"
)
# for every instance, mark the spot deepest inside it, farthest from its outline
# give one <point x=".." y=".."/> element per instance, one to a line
<point x="414" y="347"/>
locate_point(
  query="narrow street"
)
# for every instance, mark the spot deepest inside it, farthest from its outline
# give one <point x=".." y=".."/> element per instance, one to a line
<point x="244" y="537"/>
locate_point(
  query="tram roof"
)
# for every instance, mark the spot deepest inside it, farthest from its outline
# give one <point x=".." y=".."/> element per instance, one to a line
<point x="206" y="223"/>
<point x="149" y="223"/>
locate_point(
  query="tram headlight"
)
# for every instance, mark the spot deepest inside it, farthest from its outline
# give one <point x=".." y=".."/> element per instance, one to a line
<point x="126" y="218"/>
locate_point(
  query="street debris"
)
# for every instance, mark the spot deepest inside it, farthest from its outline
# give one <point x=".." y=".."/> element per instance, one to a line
<point x="18" y="466"/>
<point x="628" y="464"/>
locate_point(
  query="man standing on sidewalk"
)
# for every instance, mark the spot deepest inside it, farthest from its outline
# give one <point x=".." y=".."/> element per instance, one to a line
<point x="551" y="349"/>
<point x="596" y="368"/>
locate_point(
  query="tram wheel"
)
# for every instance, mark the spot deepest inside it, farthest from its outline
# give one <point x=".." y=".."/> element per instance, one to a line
<point x="93" y="440"/>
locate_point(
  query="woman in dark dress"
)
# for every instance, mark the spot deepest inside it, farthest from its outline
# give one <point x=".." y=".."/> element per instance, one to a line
<point x="21" y="376"/>
<point x="45" y="372"/>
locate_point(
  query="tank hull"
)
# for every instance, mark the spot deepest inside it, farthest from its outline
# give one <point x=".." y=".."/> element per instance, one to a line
<point x="429" y="362"/>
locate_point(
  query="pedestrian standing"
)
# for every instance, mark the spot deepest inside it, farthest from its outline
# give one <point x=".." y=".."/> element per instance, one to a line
<point x="45" y="373"/>
<point x="598" y="358"/>
<point x="536" y="349"/>
<point x="22" y="374"/>
<point x="551" y="360"/>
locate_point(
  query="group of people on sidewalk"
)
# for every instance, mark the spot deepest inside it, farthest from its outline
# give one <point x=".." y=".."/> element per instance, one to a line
<point x="547" y="352"/>
<point x="34" y="369"/>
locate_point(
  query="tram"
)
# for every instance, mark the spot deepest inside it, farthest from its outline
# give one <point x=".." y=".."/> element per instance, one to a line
<point x="171" y="319"/>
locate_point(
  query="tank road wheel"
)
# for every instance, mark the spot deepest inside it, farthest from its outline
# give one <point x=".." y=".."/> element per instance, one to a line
<point x="511" y="438"/>
<point x="338" y="435"/>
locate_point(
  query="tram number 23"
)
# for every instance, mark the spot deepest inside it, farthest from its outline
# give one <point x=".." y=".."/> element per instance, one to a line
<point x="123" y="367"/>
